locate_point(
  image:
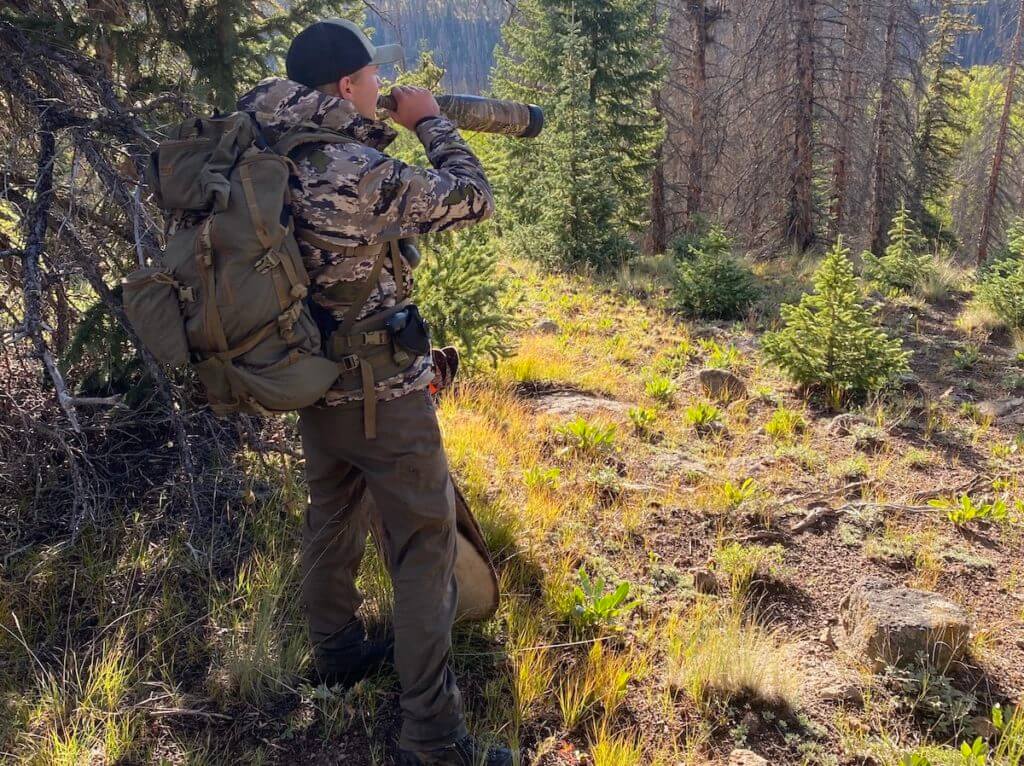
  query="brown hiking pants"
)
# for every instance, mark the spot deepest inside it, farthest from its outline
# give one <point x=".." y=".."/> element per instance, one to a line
<point x="406" y="473"/>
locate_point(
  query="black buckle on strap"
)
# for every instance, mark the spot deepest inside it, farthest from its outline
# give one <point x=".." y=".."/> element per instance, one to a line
<point x="349" y="362"/>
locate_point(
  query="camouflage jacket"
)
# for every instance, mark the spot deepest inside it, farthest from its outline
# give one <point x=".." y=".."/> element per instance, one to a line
<point x="353" y="194"/>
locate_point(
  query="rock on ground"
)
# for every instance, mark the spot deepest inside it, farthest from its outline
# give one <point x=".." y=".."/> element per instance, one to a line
<point x="746" y="758"/>
<point x="722" y="384"/>
<point x="571" y="403"/>
<point x="890" y="624"/>
<point x="844" y="423"/>
<point x="546" y="326"/>
<point x="1006" y="411"/>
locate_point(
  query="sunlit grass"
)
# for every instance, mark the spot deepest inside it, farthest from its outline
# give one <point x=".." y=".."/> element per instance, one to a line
<point x="718" y="654"/>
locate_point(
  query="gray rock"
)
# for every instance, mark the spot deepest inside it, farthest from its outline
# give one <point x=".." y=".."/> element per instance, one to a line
<point x="571" y="403"/>
<point x="890" y="624"/>
<point x="722" y="384"/>
<point x="746" y="758"/>
<point x="843" y="424"/>
<point x="843" y="691"/>
<point x="666" y="465"/>
<point x="867" y="438"/>
<point x="547" y="326"/>
<point x="1004" y="410"/>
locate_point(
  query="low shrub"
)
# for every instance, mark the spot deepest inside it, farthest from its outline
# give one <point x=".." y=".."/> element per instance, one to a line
<point x="903" y="267"/>
<point x="710" y="282"/>
<point x="831" y="340"/>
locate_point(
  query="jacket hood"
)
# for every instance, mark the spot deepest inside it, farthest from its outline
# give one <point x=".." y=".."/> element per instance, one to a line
<point x="289" y="103"/>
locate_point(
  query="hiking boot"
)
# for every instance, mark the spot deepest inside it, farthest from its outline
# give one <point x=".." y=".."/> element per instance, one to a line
<point x="351" y="656"/>
<point x="464" y="752"/>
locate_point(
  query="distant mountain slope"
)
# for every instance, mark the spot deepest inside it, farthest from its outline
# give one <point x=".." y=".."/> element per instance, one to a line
<point x="462" y="35"/>
<point x="996" y="19"/>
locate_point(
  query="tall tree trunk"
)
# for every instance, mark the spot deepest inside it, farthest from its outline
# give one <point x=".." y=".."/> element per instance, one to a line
<point x="657" y="235"/>
<point x="800" y="227"/>
<point x="881" y="185"/>
<point x="657" y="240"/>
<point x="849" y="85"/>
<point x="695" y="150"/>
<point x="985" y="231"/>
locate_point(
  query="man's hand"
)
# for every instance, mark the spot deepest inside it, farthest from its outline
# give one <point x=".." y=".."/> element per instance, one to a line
<point x="412" y="105"/>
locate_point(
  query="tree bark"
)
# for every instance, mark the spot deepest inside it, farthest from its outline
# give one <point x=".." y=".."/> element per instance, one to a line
<point x="849" y="85"/>
<point x="985" y="230"/>
<point x="881" y="185"/>
<point x="800" y="229"/>
<point x="695" y="149"/>
<point x="657" y="241"/>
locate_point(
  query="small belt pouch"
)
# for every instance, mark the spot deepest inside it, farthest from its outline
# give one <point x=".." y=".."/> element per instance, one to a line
<point x="409" y="331"/>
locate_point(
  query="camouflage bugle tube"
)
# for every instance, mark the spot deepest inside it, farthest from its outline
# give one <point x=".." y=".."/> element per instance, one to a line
<point x="488" y="115"/>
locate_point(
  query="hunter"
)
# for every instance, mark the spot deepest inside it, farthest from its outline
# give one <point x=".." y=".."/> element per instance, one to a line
<point x="352" y="204"/>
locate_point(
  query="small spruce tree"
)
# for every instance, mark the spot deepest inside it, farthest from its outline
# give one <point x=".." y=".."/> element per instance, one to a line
<point x="831" y="341"/>
<point x="1001" y="283"/>
<point x="465" y="296"/>
<point x="709" y="282"/>
<point x="903" y="266"/>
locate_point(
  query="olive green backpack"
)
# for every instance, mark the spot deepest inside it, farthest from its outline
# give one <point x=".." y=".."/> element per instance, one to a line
<point x="228" y="297"/>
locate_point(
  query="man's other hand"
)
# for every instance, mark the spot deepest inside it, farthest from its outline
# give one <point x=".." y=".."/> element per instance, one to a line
<point x="412" y="104"/>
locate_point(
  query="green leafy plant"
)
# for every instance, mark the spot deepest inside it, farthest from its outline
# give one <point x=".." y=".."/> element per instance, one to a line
<point x="607" y="482"/>
<point x="974" y="754"/>
<point x="674" y="361"/>
<point x="929" y="695"/>
<point x="902" y="267"/>
<point x="913" y="759"/>
<point x="538" y="477"/>
<point x="642" y="418"/>
<point x="584" y="437"/>
<point x="784" y="424"/>
<point x="710" y="282"/>
<point x="721" y="357"/>
<point x="964" y="509"/>
<point x="595" y="606"/>
<point x="731" y="496"/>
<point x="966" y="357"/>
<point x="831" y="341"/>
<point x="660" y="388"/>
<point x="703" y="416"/>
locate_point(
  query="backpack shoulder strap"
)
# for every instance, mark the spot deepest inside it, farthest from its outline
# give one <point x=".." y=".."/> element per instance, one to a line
<point x="305" y="135"/>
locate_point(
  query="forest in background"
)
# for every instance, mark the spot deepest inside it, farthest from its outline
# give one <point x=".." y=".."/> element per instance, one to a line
<point x="750" y="311"/>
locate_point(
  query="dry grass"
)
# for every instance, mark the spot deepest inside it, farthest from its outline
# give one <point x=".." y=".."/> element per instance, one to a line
<point x="222" y="617"/>
<point x="718" y="654"/>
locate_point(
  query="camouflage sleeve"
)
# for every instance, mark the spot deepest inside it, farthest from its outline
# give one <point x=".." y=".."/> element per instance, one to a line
<point x="415" y="200"/>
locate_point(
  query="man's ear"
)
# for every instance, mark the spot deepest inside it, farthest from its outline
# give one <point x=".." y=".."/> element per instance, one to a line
<point x="345" y="87"/>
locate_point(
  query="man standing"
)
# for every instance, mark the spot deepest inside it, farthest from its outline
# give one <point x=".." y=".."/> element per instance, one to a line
<point x="377" y="430"/>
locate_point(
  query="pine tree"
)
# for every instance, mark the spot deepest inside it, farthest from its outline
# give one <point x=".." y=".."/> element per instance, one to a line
<point x="583" y="185"/>
<point x="465" y="296"/>
<point x="710" y="283"/>
<point x="941" y="126"/>
<point x="210" y="50"/>
<point x="831" y="341"/>
<point x="903" y="266"/>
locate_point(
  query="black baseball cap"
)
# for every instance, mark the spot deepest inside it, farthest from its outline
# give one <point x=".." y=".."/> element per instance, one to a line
<point x="328" y="50"/>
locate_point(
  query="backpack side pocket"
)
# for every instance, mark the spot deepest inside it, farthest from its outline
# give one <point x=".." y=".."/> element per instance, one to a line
<point x="152" y="302"/>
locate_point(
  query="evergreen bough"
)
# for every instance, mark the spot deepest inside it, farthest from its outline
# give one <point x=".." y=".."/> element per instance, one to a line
<point x="709" y="282"/>
<point x="1001" y="287"/>
<point x="578" y="191"/>
<point x="831" y="341"/>
<point x="464" y="296"/>
<point x="903" y="267"/>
